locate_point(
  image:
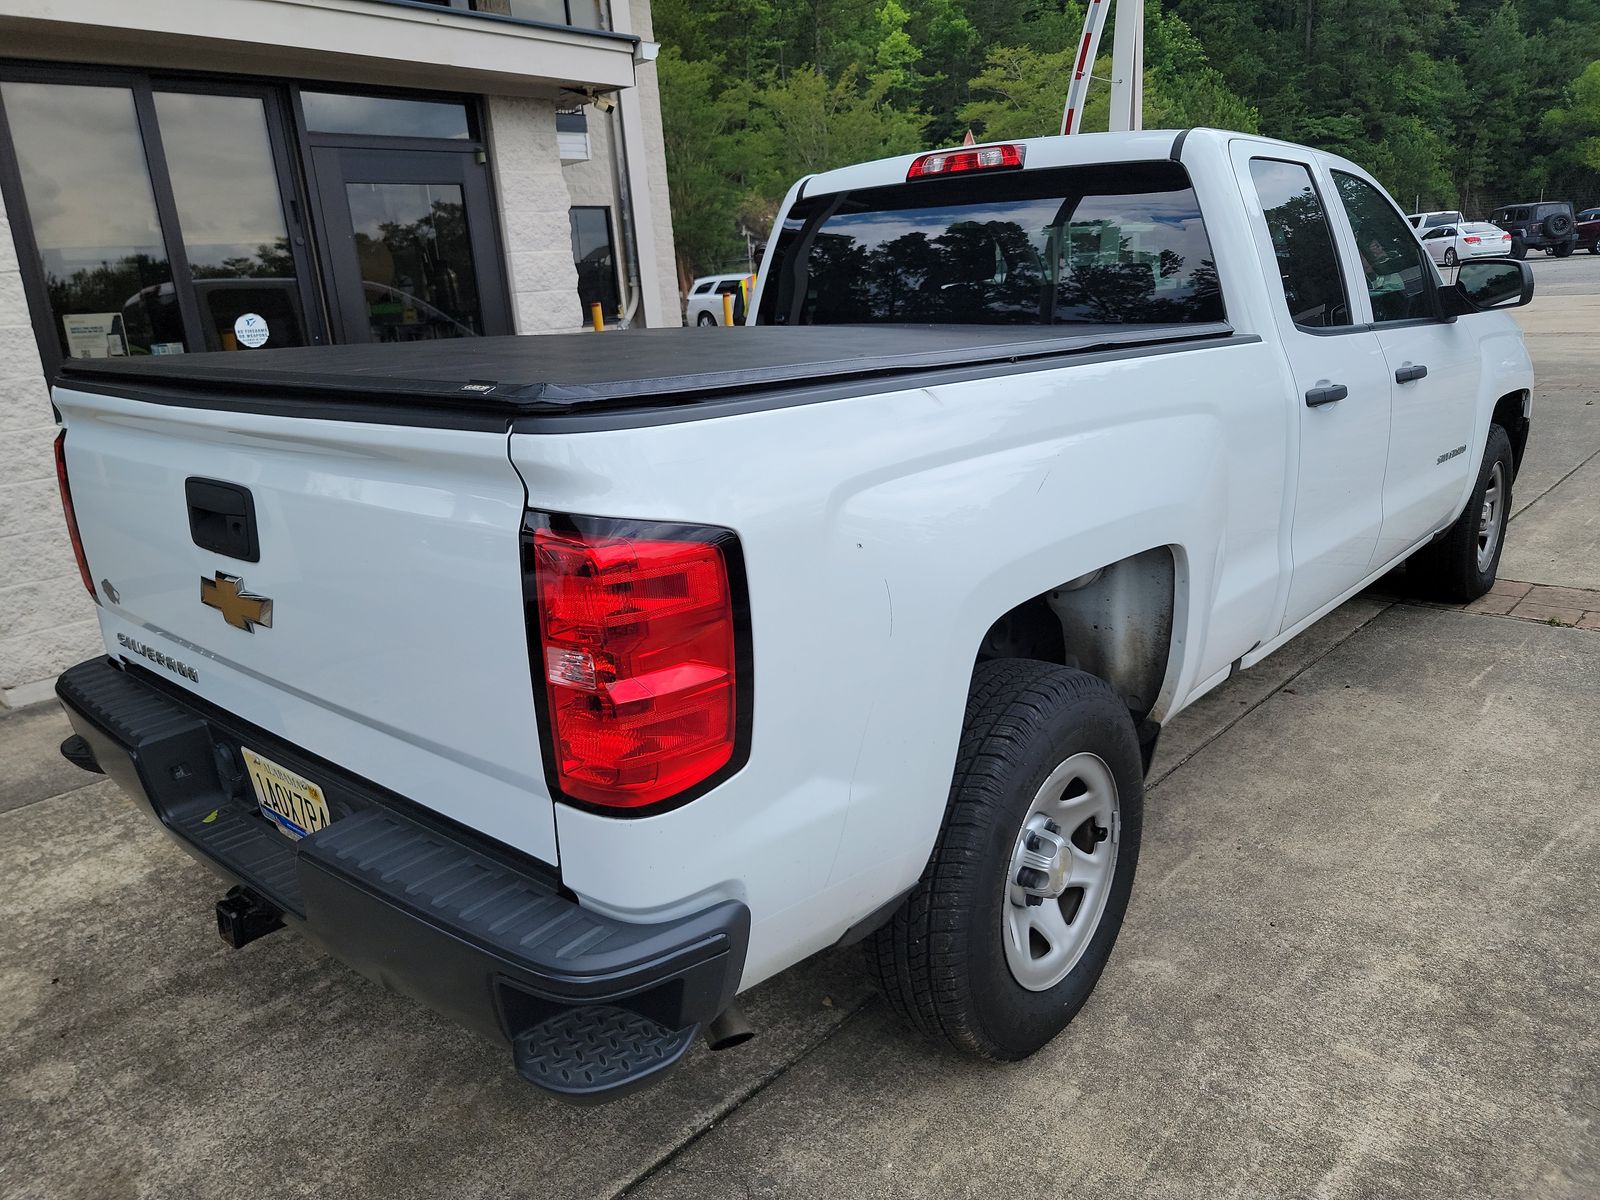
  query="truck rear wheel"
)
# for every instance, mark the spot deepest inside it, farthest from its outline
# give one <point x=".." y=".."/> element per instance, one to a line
<point x="1005" y="935"/>
<point x="1462" y="565"/>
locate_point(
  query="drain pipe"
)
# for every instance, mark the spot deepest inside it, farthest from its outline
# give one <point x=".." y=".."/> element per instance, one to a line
<point x="624" y="195"/>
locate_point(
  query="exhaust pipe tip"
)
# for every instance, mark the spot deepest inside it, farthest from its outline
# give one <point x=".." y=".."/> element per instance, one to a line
<point x="729" y="1030"/>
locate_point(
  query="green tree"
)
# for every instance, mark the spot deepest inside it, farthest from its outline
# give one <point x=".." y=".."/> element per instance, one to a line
<point x="1447" y="102"/>
<point x="803" y="123"/>
<point x="1574" y="127"/>
<point x="700" y="129"/>
<point x="1021" y="91"/>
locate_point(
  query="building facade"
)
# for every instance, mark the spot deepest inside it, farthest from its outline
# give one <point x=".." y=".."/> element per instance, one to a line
<point x="238" y="175"/>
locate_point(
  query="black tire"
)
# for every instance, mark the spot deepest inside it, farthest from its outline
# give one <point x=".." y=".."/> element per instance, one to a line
<point x="941" y="960"/>
<point x="1450" y="257"/>
<point x="705" y="319"/>
<point x="1565" y="248"/>
<point x="1519" y="248"/>
<point x="1449" y="569"/>
<point x="1595" y="249"/>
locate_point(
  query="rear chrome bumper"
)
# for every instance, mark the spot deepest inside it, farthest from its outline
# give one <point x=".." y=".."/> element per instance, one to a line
<point x="592" y="1007"/>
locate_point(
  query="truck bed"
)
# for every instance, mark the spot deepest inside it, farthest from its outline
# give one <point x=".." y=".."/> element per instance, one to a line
<point x="485" y="382"/>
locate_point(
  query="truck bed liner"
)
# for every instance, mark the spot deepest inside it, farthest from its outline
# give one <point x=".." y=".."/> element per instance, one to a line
<point x="508" y="377"/>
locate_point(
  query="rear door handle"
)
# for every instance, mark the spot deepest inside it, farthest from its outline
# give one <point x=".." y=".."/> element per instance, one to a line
<point x="1327" y="393"/>
<point x="1408" y="373"/>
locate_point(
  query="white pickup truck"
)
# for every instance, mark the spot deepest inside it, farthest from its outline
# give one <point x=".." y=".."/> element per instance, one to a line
<point x="573" y="687"/>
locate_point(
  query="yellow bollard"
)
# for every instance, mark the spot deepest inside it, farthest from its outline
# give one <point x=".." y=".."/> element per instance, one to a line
<point x="597" y="317"/>
<point x="727" y="308"/>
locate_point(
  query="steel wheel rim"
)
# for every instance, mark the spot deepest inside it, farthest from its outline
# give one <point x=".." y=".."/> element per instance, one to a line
<point x="1491" y="516"/>
<point x="1046" y="939"/>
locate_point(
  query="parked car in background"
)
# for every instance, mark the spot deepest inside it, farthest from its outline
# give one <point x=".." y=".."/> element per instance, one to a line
<point x="1432" y="220"/>
<point x="1548" y="225"/>
<point x="705" y="299"/>
<point x="1449" y="244"/>
<point x="1589" y="230"/>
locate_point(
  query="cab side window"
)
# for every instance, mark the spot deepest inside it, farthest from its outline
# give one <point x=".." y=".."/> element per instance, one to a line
<point x="1399" y="278"/>
<point x="1303" y="243"/>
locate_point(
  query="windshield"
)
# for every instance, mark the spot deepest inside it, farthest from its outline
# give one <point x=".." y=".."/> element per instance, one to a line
<point x="1072" y="245"/>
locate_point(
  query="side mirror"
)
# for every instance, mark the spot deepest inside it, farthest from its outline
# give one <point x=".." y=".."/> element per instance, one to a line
<point x="1488" y="283"/>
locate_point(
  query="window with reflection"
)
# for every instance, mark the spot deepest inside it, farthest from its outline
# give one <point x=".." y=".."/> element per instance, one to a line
<point x="1302" y="242"/>
<point x="595" y="259"/>
<point x="384" y="116"/>
<point x="416" y="260"/>
<point x="225" y="186"/>
<point x="1120" y="244"/>
<point x="583" y="13"/>
<point x="1398" y="272"/>
<point x="92" y="209"/>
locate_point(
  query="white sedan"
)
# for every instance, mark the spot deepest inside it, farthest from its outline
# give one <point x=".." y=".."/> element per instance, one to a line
<point x="1449" y="244"/>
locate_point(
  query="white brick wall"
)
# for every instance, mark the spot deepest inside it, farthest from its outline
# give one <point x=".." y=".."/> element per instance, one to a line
<point x="46" y="620"/>
<point x="533" y="213"/>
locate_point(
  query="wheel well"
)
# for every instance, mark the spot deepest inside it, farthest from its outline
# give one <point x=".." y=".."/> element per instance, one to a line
<point x="1114" y="622"/>
<point x="1510" y="414"/>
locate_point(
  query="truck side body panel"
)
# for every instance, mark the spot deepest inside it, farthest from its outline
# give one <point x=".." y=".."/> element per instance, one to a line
<point x="882" y="535"/>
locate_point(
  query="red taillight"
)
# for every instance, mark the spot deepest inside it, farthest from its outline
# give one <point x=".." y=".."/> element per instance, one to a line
<point x="1472" y="240"/>
<point x="71" y="515"/>
<point x="637" y="643"/>
<point x="968" y="158"/>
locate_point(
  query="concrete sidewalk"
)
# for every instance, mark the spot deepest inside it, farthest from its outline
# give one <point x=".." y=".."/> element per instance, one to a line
<point x="1361" y="961"/>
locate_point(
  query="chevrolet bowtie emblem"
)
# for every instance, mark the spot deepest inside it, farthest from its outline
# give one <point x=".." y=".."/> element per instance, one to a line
<point x="238" y="607"/>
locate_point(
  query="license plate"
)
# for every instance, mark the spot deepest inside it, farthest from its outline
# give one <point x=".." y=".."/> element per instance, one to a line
<point x="290" y="801"/>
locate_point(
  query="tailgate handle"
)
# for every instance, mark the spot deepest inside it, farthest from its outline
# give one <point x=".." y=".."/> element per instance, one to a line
<point x="222" y="518"/>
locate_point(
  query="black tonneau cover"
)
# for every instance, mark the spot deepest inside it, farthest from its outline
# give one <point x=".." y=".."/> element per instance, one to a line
<point x="517" y="376"/>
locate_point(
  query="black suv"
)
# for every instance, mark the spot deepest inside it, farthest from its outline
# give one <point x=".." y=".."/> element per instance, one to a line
<point x="1548" y="225"/>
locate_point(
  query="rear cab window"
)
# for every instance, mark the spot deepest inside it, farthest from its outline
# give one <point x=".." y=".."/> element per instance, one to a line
<point x="1302" y="242"/>
<point x="1114" y="244"/>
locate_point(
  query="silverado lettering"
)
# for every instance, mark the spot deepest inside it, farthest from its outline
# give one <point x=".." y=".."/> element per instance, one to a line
<point x="157" y="657"/>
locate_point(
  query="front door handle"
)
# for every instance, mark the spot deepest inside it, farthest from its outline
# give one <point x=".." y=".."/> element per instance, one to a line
<point x="1327" y="393"/>
<point x="1408" y="373"/>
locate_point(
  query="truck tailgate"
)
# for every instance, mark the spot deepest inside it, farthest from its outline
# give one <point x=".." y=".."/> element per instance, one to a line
<point x="390" y="554"/>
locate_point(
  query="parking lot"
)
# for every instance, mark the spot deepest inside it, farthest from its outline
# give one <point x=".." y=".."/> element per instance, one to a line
<point x="1362" y="959"/>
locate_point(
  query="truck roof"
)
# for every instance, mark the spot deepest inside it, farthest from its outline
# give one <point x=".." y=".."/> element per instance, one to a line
<point x="1055" y="150"/>
<point x="500" y="377"/>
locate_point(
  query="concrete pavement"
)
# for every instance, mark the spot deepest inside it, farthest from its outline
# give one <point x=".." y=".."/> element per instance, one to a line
<point x="1361" y="961"/>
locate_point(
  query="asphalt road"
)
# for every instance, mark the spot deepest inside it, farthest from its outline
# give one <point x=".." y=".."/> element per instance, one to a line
<point x="1361" y="961"/>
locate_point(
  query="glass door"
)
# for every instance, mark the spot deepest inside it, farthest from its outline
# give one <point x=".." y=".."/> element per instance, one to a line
<point x="411" y="252"/>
